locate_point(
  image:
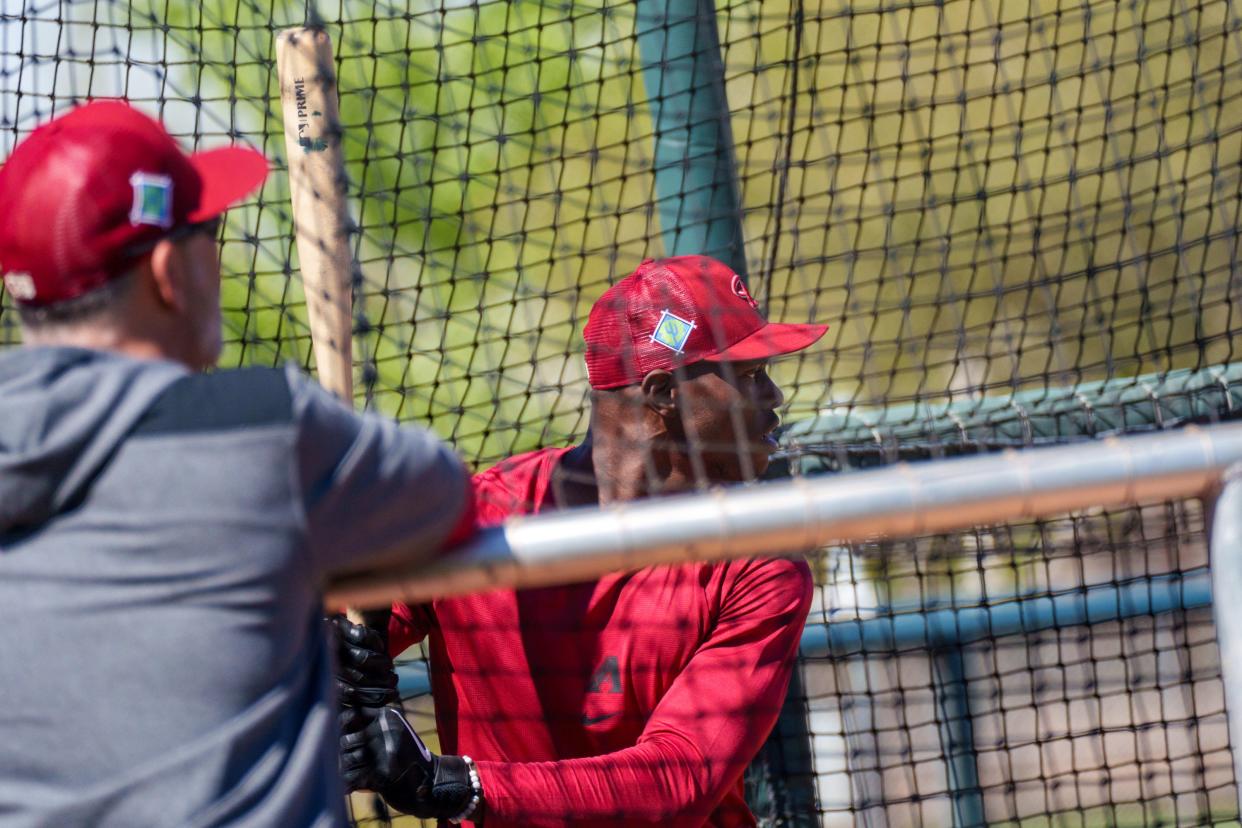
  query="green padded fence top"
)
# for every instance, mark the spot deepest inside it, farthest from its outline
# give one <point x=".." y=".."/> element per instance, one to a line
<point x="859" y="437"/>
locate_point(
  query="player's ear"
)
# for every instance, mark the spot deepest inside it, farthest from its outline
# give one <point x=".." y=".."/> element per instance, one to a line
<point x="659" y="391"/>
<point x="167" y="268"/>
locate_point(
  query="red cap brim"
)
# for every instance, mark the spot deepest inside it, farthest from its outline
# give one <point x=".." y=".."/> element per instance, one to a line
<point x="228" y="175"/>
<point x="773" y="339"/>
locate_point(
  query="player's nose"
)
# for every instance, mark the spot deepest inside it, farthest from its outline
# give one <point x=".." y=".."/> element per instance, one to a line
<point x="769" y="393"/>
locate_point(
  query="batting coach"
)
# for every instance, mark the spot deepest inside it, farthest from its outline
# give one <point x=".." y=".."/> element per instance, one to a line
<point x="164" y="533"/>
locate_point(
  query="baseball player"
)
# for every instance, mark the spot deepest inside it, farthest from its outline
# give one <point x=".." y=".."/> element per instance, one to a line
<point x="639" y="698"/>
<point x="165" y="534"/>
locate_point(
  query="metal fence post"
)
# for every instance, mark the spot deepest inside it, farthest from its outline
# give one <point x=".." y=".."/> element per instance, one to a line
<point x="958" y="737"/>
<point x="1226" y="544"/>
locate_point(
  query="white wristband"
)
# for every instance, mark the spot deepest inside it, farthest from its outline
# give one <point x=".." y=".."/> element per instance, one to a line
<point x="477" y="785"/>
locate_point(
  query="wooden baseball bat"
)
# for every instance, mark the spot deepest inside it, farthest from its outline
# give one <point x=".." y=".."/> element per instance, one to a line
<point x="317" y="188"/>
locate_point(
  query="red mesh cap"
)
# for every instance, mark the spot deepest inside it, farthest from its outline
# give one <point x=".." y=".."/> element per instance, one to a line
<point x="86" y="193"/>
<point x="679" y="311"/>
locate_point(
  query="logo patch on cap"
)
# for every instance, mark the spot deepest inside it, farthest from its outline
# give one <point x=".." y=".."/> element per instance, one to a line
<point x="152" y="200"/>
<point x="672" y="331"/>
<point x="20" y="286"/>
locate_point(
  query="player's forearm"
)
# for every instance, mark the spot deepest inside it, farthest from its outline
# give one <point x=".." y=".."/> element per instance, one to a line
<point x="657" y="782"/>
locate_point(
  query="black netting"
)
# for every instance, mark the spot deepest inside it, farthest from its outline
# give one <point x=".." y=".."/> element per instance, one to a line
<point x="995" y="206"/>
<point x="977" y="197"/>
<point x="1024" y="714"/>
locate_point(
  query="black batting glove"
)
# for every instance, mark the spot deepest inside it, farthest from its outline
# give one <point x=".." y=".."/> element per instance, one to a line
<point x="388" y="757"/>
<point x="353" y="758"/>
<point x="364" y="673"/>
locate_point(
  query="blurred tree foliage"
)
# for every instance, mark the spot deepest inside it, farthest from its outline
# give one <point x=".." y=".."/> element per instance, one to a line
<point x="979" y="197"/>
<point x="496" y="167"/>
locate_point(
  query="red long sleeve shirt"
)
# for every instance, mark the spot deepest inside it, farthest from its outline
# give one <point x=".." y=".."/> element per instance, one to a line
<point x="635" y="699"/>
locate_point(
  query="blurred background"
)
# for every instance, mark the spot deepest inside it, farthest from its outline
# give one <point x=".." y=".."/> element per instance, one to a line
<point x="1020" y="220"/>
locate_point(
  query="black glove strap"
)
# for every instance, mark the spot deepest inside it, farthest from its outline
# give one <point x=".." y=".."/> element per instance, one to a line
<point x="451" y="791"/>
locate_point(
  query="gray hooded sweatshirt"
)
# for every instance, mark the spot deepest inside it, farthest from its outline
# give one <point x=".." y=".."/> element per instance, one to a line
<point x="164" y="539"/>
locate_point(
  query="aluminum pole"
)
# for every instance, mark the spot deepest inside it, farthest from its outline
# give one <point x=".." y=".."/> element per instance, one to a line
<point x="803" y="514"/>
<point x="1226" y="551"/>
<point x="935" y="626"/>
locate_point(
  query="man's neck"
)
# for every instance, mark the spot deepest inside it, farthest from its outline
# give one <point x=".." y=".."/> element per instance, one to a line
<point x="97" y="338"/>
<point x="607" y="469"/>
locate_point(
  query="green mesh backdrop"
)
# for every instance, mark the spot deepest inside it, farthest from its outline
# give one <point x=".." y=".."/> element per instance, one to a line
<point x="977" y="197"/>
<point x="986" y="201"/>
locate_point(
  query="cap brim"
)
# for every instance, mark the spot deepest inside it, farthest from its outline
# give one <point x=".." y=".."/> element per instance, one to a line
<point x="228" y="175"/>
<point x="773" y="339"/>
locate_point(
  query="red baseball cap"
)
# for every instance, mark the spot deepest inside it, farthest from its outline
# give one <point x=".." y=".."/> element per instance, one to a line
<point x="86" y="194"/>
<point x="679" y="311"/>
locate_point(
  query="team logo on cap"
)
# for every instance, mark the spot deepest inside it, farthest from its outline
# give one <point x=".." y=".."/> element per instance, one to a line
<point x="152" y="200"/>
<point x="20" y="286"/>
<point x="739" y="290"/>
<point x="672" y="331"/>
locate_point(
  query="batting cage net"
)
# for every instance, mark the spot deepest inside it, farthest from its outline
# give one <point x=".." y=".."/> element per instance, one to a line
<point x="1020" y="221"/>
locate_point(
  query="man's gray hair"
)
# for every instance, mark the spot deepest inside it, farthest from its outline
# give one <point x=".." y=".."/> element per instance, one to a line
<point x="82" y="309"/>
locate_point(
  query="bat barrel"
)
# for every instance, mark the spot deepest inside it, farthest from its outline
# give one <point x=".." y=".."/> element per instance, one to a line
<point x="317" y="184"/>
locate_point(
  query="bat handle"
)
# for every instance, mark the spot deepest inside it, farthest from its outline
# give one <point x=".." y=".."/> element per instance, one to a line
<point x="376" y="619"/>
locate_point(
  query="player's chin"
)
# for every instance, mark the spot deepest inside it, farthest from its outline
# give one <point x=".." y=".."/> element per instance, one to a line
<point x="760" y="455"/>
<point x="744" y="462"/>
<point x="762" y="447"/>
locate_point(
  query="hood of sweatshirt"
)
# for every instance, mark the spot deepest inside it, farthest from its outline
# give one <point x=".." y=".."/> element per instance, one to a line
<point x="63" y="413"/>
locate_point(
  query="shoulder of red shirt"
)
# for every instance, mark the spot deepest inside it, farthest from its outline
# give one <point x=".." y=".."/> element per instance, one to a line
<point x="515" y="486"/>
